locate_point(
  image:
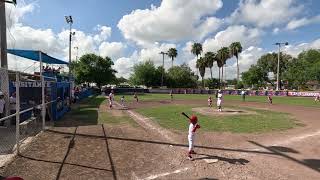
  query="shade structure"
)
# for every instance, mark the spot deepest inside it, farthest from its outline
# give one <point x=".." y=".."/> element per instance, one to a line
<point x="34" y="55"/>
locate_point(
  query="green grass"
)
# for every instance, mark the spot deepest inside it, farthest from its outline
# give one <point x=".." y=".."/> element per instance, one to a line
<point x="87" y="112"/>
<point x="263" y="121"/>
<point x="299" y="101"/>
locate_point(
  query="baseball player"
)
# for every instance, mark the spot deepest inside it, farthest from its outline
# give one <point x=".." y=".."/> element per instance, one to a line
<point x="193" y="126"/>
<point x="317" y="98"/>
<point x="243" y="95"/>
<point x="171" y="95"/>
<point x="111" y="98"/>
<point x="219" y="100"/>
<point x="270" y="99"/>
<point x="135" y="96"/>
<point x="210" y="101"/>
<point x="122" y="101"/>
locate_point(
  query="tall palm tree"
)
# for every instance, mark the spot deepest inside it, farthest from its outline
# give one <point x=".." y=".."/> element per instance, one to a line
<point x="201" y="65"/>
<point x="223" y="54"/>
<point x="172" y="53"/>
<point x="196" y="50"/>
<point x="210" y="58"/>
<point x="235" y="49"/>
<point x="219" y="64"/>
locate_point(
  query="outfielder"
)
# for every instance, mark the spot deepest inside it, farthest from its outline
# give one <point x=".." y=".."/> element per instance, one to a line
<point x="317" y="98"/>
<point x="135" y="97"/>
<point x="193" y="126"/>
<point x="111" y="98"/>
<point x="122" y="101"/>
<point x="219" y="100"/>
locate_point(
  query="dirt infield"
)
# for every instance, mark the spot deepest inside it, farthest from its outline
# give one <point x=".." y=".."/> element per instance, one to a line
<point x="142" y="152"/>
<point x="225" y="112"/>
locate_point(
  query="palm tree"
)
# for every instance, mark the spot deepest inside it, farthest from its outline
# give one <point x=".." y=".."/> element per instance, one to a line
<point x="223" y="54"/>
<point x="201" y="65"/>
<point x="172" y="53"/>
<point x="235" y="49"/>
<point x="219" y="64"/>
<point x="196" y="50"/>
<point x="210" y="58"/>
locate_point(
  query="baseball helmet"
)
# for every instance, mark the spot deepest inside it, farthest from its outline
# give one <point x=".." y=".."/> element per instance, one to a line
<point x="194" y="119"/>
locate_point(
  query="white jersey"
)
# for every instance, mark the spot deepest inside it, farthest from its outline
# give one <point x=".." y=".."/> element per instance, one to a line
<point x="191" y="133"/>
<point x="219" y="99"/>
<point x="243" y="93"/>
<point x="111" y="97"/>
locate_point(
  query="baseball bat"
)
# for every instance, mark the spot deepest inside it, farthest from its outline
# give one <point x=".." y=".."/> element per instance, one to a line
<point x="185" y="115"/>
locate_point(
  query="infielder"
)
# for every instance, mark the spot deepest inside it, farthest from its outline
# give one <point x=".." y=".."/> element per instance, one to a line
<point x="210" y="101"/>
<point x="111" y="98"/>
<point x="135" y="96"/>
<point x="193" y="126"/>
<point x="270" y="99"/>
<point x="243" y="95"/>
<point x="317" y="98"/>
<point x="219" y="100"/>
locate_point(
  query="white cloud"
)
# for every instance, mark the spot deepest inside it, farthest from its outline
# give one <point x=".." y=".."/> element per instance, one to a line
<point x="15" y="13"/>
<point x="113" y="50"/>
<point x="123" y="66"/>
<point x="171" y="21"/>
<point x="296" y="23"/>
<point x="153" y="54"/>
<point x="265" y="13"/>
<point x="275" y="31"/>
<point x="105" y="33"/>
<point x="246" y="36"/>
<point x="294" y="50"/>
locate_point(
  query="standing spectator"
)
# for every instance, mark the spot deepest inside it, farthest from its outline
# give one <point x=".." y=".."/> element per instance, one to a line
<point x="243" y="95"/>
<point x="12" y="101"/>
<point x="2" y="105"/>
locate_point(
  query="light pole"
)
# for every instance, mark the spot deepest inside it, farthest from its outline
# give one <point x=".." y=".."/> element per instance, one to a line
<point x="278" y="67"/>
<point x="69" y="20"/>
<point x="163" y="53"/>
<point x="77" y="48"/>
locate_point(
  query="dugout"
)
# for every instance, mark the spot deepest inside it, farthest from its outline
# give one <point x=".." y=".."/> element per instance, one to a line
<point x="45" y="85"/>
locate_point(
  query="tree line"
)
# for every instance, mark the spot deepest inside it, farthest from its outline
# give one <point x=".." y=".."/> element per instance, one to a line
<point x="294" y="72"/>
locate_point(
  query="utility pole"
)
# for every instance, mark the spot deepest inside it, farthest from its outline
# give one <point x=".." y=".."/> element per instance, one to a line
<point x="163" y="53"/>
<point x="278" y="66"/>
<point x="69" y="20"/>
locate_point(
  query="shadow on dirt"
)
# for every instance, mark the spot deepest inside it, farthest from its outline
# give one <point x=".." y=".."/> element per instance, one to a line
<point x="283" y="149"/>
<point x="229" y="160"/>
<point x="311" y="163"/>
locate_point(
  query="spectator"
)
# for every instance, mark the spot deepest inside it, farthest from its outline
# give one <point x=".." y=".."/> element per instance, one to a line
<point x="2" y="105"/>
<point x="12" y="101"/>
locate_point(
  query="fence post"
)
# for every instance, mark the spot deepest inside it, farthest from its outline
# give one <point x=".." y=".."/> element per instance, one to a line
<point x="43" y="104"/>
<point x="18" y="112"/>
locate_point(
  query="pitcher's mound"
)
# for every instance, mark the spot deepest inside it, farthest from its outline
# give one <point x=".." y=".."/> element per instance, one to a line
<point x="225" y="111"/>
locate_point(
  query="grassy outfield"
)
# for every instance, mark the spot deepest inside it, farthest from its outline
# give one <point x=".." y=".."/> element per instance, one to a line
<point x="300" y="101"/>
<point x="264" y="121"/>
<point x="87" y="112"/>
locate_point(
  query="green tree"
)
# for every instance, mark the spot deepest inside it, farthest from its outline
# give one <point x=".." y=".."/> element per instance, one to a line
<point x="255" y="76"/>
<point x="310" y="56"/>
<point x="93" y="69"/>
<point x="196" y="50"/>
<point x="172" y="53"/>
<point x="235" y="49"/>
<point x="223" y="54"/>
<point x="296" y="74"/>
<point x="181" y="77"/>
<point x="210" y="58"/>
<point x="145" y="73"/>
<point x="201" y="65"/>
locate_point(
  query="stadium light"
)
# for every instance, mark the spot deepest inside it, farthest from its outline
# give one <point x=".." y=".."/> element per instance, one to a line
<point x="278" y="67"/>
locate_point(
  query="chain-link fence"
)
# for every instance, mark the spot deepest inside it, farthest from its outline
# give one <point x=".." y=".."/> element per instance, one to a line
<point x="30" y="109"/>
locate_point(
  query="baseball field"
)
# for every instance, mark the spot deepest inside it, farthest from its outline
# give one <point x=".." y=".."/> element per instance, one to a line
<point x="249" y="139"/>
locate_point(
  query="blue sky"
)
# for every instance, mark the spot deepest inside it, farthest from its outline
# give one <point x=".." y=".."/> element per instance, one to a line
<point x="130" y="35"/>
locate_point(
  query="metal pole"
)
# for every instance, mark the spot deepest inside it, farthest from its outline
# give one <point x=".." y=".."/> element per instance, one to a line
<point x="18" y="111"/>
<point x="43" y="104"/>
<point x="3" y="35"/>
<point x="70" y="39"/>
<point x="278" y="68"/>
<point x="162" y="69"/>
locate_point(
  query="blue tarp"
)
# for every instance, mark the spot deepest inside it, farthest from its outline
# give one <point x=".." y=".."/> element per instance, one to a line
<point x="34" y="55"/>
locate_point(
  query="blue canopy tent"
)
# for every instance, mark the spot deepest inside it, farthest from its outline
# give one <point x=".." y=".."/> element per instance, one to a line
<point x="59" y="91"/>
<point x="36" y="56"/>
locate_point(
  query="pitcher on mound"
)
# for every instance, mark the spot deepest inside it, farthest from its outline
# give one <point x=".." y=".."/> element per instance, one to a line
<point x="219" y="100"/>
